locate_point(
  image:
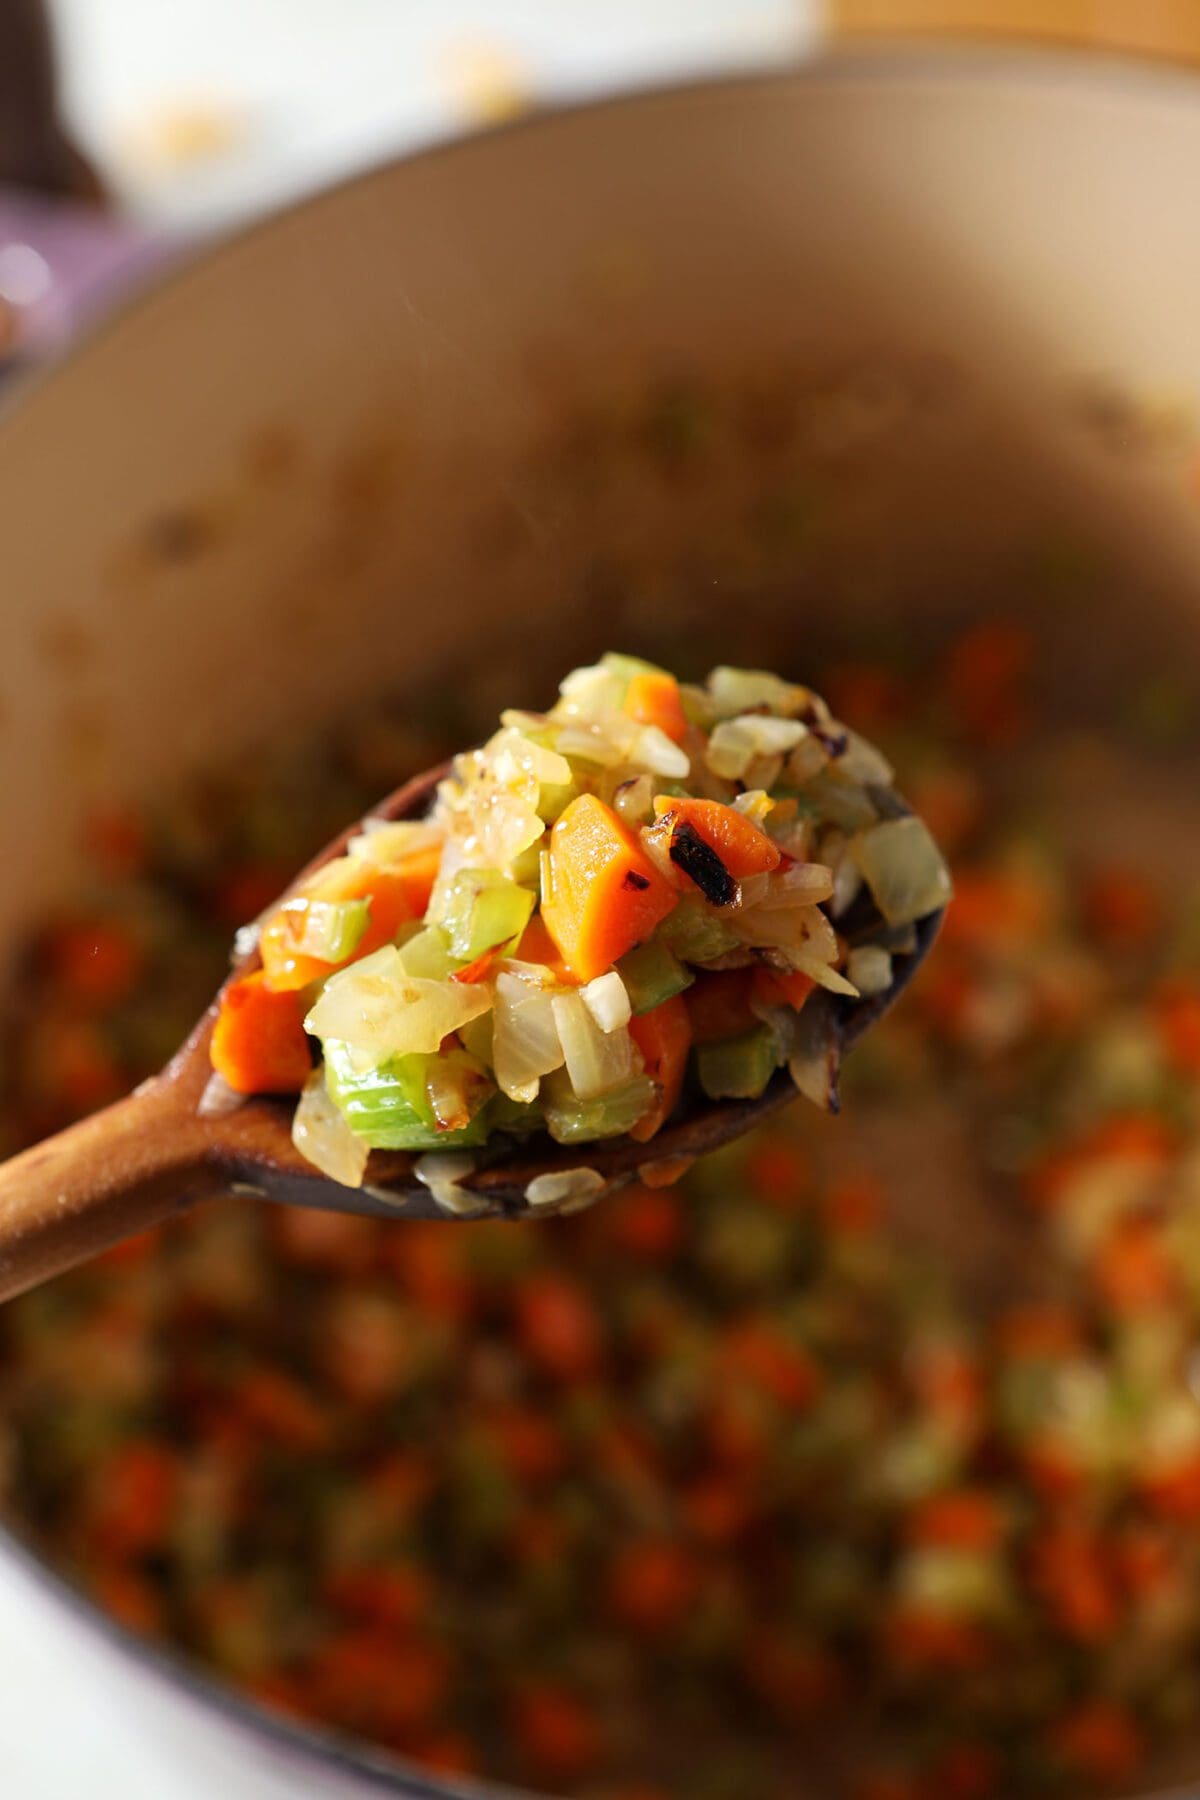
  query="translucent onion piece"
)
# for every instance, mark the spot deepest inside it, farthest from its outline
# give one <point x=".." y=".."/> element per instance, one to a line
<point x="754" y="805"/>
<point x="441" y="1171"/>
<point x="633" y="800"/>
<point x="862" y="762"/>
<point x="322" y="1136"/>
<point x="379" y="1011"/>
<point x="385" y="841"/>
<point x="525" y="1040"/>
<point x="869" y="968"/>
<point x="565" y="1190"/>
<point x="740" y="690"/>
<point x="590" y="693"/>
<point x="607" y="1001"/>
<point x="512" y="749"/>
<point x="652" y="749"/>
<point x="813" y="1063"/>
<point x="596" y="1060"/>
<point x="806" y="760"/>
<point x="903" y="868"/>
<point x="736" y="743"/>
<point x="218" y="1098"/>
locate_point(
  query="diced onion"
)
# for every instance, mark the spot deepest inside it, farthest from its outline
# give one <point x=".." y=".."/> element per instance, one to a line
<point x="607" y="1001"/>
<point x="596" y="1060"/>
<point x="861" y="761"/>
<point x="740" y="690"/>
<point x="736" y="743"/>
<point x="385" y="841"/>
<point x="652" y="749"/>
<point x="323" y="1138"/>
<point x="869" y="967"/>
<point x="218" y="1098"/>
<point x="441" y="1171"/>
<point x="525" y="1041"/>
<point x="380" y="1011"/>
<point x="565" y="1190"/>
<point x="633" y="800"/>
<point x="903" y="868"/>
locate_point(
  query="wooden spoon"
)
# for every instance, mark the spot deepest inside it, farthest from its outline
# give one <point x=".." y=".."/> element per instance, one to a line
<point x="156" y="1153"/>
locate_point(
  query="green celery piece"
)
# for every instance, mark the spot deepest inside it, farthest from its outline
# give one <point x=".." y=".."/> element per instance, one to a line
<point x="652" y="974"/>
<point x="570" y="1120"/>
<point x="389" y="1107"/>
<point x="737" y="1068"/>
<point x="427" y="955"/>
<point x="484" y="908"/>
<point x="514" y="1115"/>
<point x="553" y="799"/>
<point x="333" y="929"/>
<point x="626" y="667"/>
<point x="694" y="934"/>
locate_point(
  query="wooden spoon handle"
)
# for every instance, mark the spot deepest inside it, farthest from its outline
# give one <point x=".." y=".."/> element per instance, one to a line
<point x="110" y="1176"/>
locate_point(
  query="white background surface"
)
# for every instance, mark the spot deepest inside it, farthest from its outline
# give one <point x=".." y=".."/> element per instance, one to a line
<point x="198" y="112"/>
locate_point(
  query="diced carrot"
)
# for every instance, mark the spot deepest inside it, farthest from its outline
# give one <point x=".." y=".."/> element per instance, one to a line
<point x="281" y="1411"/>
<point x="134" y="1496"/>
<point x="779" y="1172"/>
<point x="1145" y="1562"/>
<point x="743" y="847"/>
<point x="651" y="1585"/>
<point x="1099" y="1741"/>
<point x="395" y="1596"/>
<point x="480" y="969"/>
<point x="556" y="1732"/>
<point x="1038" y="1330"/>
<point x="258" y="1043"/>
<point x="245" y="891"/>
<point x="1125" y="1137"/>
<point x="396" y="894"/>
<point x="664" y="1037"/>
<point x="604" y="894"/>
<point x="449" y="1752"/>
<point x="780" y="987"/>
<point x="369" y="1680"/>
<point x="919" y="1639"/>
<point x="854" y="1206"/>
<point x="718" y="1004"/>
<point x="1068" y="1571"/>
<point x="1173" y="1489"/>
<point x="665" y="1171"/>
<point x="985" y="680"/>
<point x="654" y="699"/>
<point x="558" y="1327"/>
<point x="758" y="1353"/>
<point x="966" y="1771"/>
<point x="1131" y="1268"/>
<point x="963" y="1519"/>
<point x="1120" y="908"/>
<point x="116" y="839"/>
<point x="646" y="1223"/>
<point x="797" y="1679"/>
<point x="96" y="961"/>
<point x="529" y="1443"/>
<point x="997" y="910"/>
<point x="715" y="1510"/>
<point x="1178" y="1010"/>
<point x="537" y="946"/>
<point x="129" y="1597"/>
<point x="1053" y="1467"/>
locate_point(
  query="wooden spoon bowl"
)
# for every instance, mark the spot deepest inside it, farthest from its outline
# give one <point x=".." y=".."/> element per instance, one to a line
<point x="156" y="1153"/>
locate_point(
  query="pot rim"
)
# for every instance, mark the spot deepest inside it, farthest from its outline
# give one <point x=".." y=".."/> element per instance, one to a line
<point x="886" y="62"/>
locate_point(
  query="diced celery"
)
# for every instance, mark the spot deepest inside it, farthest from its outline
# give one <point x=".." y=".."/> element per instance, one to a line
<point x="626" y="667"/>
<point x="652" y="973"/>
<point x="554" y="799"/>
<point x="695" y="934"/>
<point x="428" y="955"/>
<point x="570" y="1120"/>
<point x="390" y="1108"/>
<point x="737" y="1068"/>
<point x="484" y="908"/>
<point x="330" y="930"/>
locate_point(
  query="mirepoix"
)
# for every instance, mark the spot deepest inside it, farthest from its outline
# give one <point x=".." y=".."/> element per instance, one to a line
<point x="613" y="909"/>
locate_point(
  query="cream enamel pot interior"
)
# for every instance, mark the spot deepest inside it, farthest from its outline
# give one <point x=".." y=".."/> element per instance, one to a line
<point x="335" y="454"/>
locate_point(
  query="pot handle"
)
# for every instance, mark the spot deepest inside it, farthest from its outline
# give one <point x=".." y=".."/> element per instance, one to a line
<point x="62" y="253"/>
